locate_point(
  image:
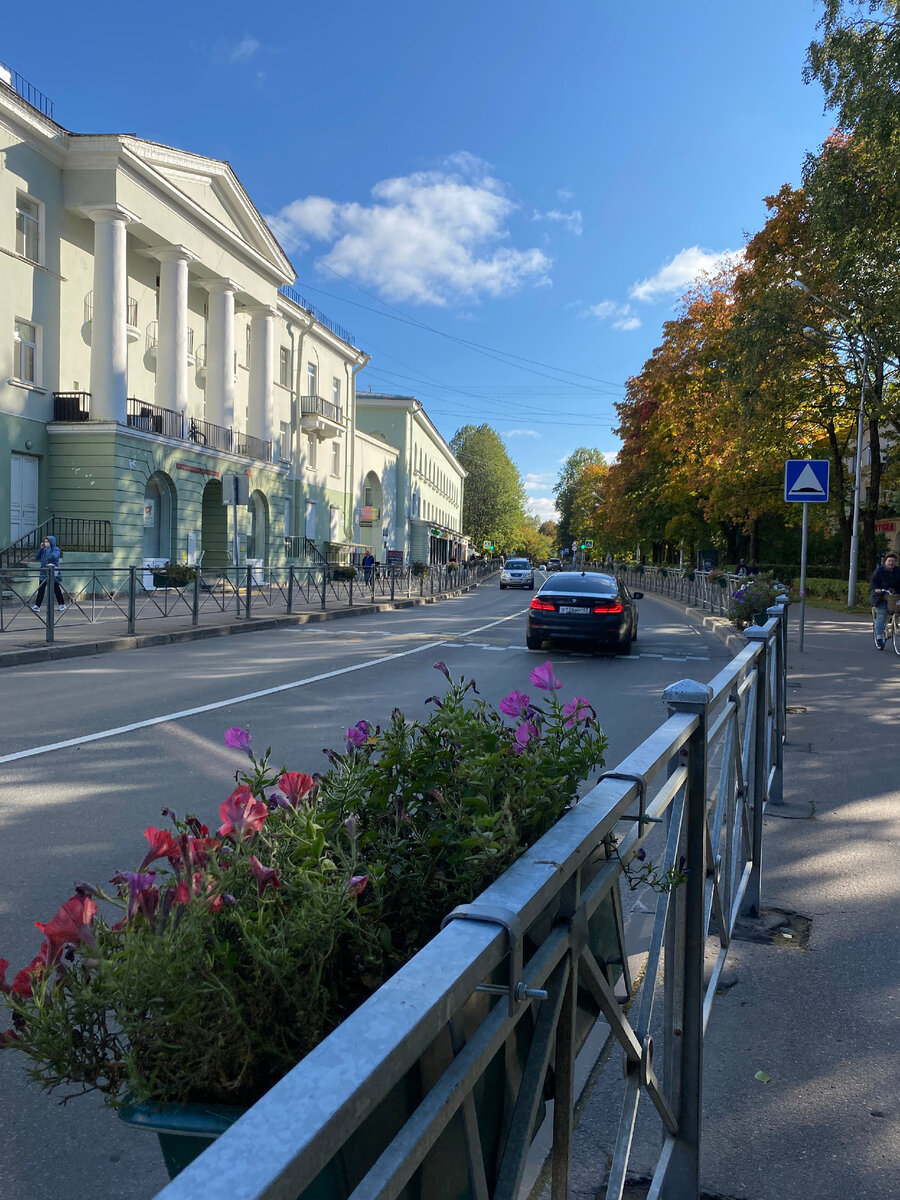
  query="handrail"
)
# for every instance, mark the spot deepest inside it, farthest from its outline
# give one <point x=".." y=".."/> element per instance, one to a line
<point x="721" y="742"/>
<point x="82" y="535"/>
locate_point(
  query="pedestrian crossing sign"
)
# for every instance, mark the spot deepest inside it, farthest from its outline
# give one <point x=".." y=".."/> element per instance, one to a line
<point x="806" y="480"/>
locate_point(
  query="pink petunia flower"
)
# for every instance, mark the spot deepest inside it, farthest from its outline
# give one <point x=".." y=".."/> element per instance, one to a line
<point x="70" y="925"/>
<point x="296" y="785"/>
<point x="238" y="738"/>
<point x="578" y="710"/>
<point x="264" y="875"/>
<point x="242" y="812"/>
<point x="162" y="845"/>
<point x="516" y="704"/>
<point x="357" y="884"/>
<point x="543" y="677"/>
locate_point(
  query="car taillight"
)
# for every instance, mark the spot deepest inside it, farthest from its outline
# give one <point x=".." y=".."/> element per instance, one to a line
<point x="543" y="605"/>
<point x="611" y="606"/>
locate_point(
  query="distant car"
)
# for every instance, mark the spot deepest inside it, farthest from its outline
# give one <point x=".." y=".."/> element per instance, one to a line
<point x="554" y="564"/>
<point x="518" y="572"/>
<point x="584" y="606"/>
<point x="542" y="566"/>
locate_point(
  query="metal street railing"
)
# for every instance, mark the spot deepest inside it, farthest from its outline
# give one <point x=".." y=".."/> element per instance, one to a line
<point x="132" y="595"/>
<point x="434" y="1087"/>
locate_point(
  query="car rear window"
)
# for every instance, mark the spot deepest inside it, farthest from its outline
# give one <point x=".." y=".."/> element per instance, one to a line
<point x="570" y="581"/>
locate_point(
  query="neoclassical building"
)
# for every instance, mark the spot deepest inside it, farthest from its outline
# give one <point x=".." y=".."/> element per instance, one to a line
<point x="155" y="346"/>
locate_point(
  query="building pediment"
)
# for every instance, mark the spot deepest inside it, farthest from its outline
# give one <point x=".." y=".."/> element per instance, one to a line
<point x="211" y="186"/>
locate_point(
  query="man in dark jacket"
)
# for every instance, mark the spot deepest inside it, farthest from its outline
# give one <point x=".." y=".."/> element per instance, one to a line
<point x="885" y="579"/>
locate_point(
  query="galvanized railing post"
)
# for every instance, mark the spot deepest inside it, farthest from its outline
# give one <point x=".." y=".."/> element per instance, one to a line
<point x="132" y="597"/>
<point x="290" y="595"/>
<point x="779" y="702"/>
<point x="247" y="595"/>
<point x="393" y="578"/>
<point x="195" y="599"/>
<point x="751" y="902"/>
<point x="350" y="590"/>
<point x="324" y="584"/>
<point x="685" y="1022"/>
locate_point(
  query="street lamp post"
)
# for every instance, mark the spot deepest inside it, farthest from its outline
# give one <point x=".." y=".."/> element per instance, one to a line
<point x="846" y="324"/>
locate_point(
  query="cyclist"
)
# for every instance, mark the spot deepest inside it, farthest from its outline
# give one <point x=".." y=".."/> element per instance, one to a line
<point x="885" y="579"/>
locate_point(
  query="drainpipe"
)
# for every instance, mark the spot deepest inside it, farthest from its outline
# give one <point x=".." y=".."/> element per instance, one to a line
<point x="296" y="375"/>
<point x="350" y="450"/>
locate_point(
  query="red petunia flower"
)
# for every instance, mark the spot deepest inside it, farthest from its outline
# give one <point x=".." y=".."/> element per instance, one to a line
<point x="70" y="925"/>
<point x="242" y="812"/>
<point x="296" y="785"/>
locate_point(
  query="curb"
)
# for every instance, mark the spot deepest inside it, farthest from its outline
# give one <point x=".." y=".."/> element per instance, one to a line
<point x="719" y="626"/>
<point x="56" y="651"/>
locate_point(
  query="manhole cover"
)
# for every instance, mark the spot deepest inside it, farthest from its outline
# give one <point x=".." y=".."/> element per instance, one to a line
<point x="796" y="708"/>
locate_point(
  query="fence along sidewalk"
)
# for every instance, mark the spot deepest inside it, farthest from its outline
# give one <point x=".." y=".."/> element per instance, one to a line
<point x="403" y="1093"/>
<point x="122" y="598"/>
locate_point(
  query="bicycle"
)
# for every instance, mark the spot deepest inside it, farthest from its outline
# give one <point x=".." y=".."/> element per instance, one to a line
<point x="891" y="623"/>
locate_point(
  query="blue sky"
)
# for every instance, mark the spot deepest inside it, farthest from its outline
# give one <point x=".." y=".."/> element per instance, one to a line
<point x="502" y="200"/>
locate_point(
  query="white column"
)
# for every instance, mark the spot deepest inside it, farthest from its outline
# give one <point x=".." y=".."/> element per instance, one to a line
<point x="172" y="350"/>
<point x="109" y="344"/>
<point x="262" y="371"/>
<point x="220" y="352"/>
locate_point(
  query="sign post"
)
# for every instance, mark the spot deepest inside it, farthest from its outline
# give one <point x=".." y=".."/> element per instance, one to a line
<point x="805" y="482"/>
<point x="235" y="491"/>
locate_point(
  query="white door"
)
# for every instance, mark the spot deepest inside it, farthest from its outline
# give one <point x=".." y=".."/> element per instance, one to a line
<point x="23" y="509"/>
<point x="311" y="520"/>
<point x="335" y="523"/>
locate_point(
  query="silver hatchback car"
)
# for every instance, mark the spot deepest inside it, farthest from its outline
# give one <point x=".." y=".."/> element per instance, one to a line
<point x="518" y="572"/>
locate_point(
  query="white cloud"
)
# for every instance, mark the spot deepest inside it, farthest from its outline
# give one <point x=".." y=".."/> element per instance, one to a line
<point x="542" y="508"/>
<point x="681" y="271"/>
<point x="565" y="195"/>
<point x="571" y="220"/>
<point x="244" y="50"/>
<point x="534" y="481"/>
<point x="623" y="316"/>
<point x="429" y="237"/>
<point x="521" y="433"/>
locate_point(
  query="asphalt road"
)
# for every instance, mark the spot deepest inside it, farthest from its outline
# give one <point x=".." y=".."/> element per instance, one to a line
<point x="92" y="749"/>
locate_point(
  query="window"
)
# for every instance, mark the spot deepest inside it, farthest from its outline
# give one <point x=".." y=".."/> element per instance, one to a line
<point x="312" y="386"/>
<point x="336" y="392"/>
<point x="28" y="227"/>
<point x="25" y="352"/>
<point x="335" y="458"/>
<point x="311" y="443"/>
<point x="284" y="442"/>
<point x="284" y="366"/>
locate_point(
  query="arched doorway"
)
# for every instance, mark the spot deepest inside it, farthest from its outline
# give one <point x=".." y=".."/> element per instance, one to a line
<point x="214" y="528"/>
<point x="160" y="508"/>
<point x="372" y="515"/>
<point x="258" y="535"/>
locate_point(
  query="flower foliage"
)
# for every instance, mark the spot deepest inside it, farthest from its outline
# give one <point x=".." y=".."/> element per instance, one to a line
<point x="210" y="970"/>
<point x="755" y="596"/>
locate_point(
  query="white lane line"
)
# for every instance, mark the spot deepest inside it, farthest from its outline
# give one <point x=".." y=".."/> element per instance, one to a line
<point x="204" y="708"/>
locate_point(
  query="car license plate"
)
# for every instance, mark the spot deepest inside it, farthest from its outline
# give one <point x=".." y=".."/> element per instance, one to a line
<point x="568" y="609"/>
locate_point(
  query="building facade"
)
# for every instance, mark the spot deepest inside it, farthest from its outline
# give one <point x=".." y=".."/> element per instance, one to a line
<point x="155" y="346"/>
<point x="430" y="481"/>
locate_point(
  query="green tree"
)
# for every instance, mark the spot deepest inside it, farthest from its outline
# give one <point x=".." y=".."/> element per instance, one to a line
<point x="565" y="491"/>
<point x="494" y="497"/>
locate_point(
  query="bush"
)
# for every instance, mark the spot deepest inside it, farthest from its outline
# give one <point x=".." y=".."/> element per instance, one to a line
<point x="420" y="568"/>
<point x="177" y="574"/>
<point x="833" y="589"/>
<point x="343" y="572"/>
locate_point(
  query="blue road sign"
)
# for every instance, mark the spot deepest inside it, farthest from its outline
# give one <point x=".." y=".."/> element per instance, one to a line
<point x="806" y="480"/>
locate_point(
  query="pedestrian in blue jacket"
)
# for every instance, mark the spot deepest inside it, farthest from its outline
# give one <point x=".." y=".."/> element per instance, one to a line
<point x="47" y="556"/>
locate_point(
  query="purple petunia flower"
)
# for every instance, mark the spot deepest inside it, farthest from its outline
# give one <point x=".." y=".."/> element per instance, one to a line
<point x="357" y="884"/>
<point x="526" y="732"/>
<point x="238" y="738"/>
<point x="357" y="735"/>
<point x="543" y="677"/>
<point x="577" y="710"/>
<point x="516" y="704"/>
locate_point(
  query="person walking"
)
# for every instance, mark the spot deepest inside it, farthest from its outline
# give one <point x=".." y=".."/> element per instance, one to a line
<point x="885" y="581"/>
<point x="368" y="564"/>
<point x="48" y="555"/>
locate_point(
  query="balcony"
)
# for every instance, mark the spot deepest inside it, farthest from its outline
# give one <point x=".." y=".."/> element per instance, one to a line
<point x="320" y="417"/>
<point x="132" y="332"/>
<point x="167" y="423"/>
<point x="152" y="419"/>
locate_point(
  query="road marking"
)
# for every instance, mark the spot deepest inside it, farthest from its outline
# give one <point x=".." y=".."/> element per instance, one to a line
<point x="204" y="708"/>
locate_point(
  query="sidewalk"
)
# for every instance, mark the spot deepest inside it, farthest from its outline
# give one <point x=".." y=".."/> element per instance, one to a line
<point x="811" y="992"/>
<point x="75" y="636"/>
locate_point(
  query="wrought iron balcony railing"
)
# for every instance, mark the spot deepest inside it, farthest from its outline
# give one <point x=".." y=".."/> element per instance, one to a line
<point x="152" y="419"/>
<point x="315" y="405"/>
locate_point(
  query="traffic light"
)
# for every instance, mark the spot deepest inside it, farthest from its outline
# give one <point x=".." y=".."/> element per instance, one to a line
<point x="583" y="546"/>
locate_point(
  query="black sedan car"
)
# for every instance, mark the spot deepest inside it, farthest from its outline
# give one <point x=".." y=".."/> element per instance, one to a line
<point x="586" y="607"/>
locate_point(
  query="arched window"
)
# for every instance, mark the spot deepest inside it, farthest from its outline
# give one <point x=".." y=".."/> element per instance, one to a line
<point x="159" y="516"/>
